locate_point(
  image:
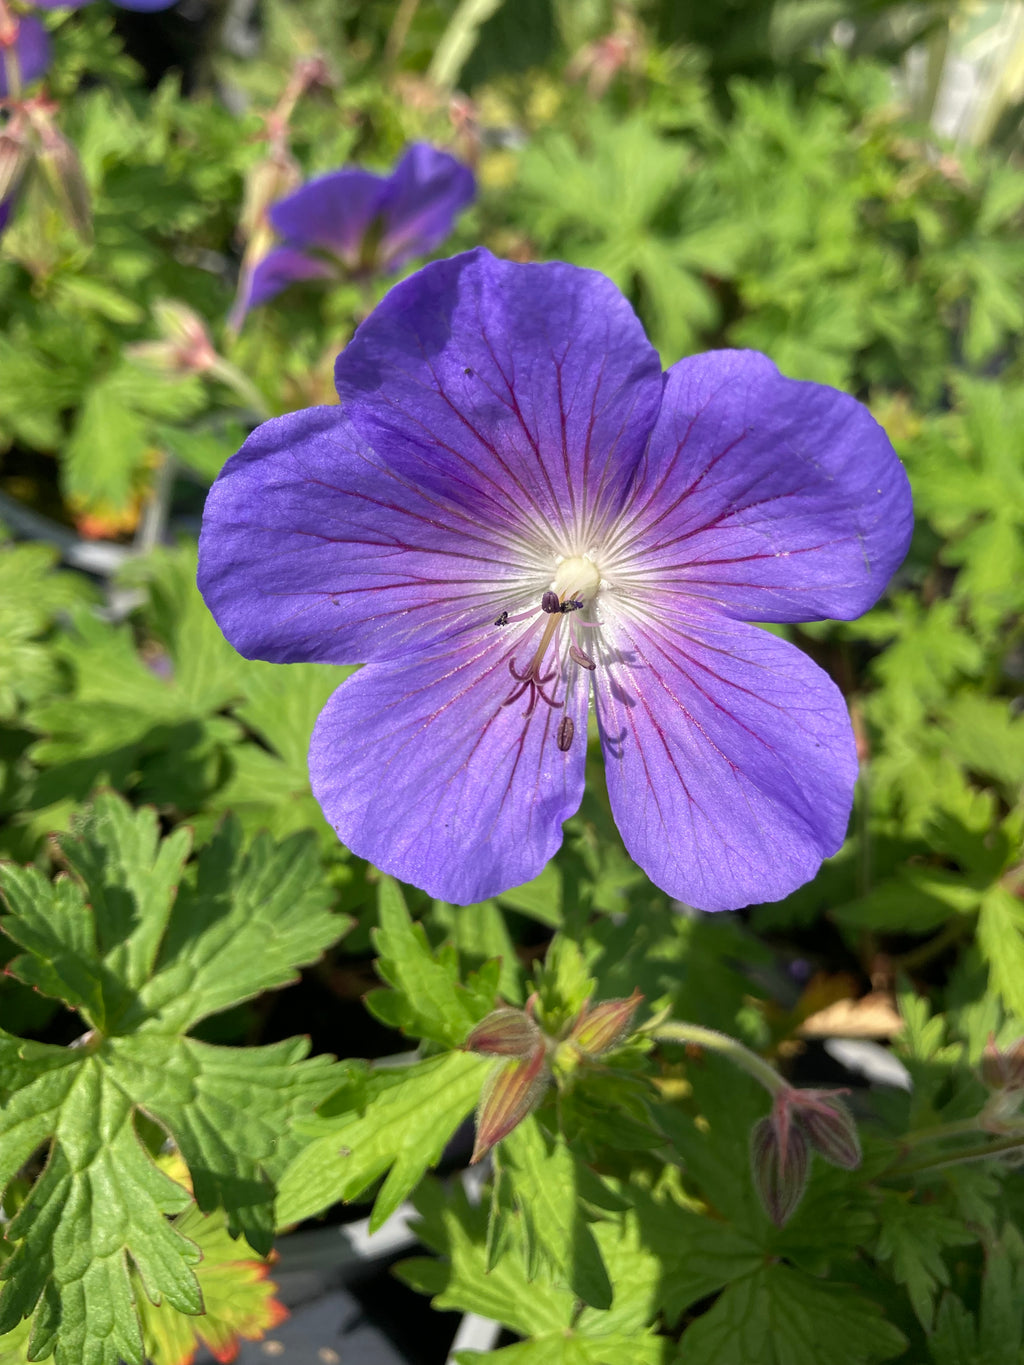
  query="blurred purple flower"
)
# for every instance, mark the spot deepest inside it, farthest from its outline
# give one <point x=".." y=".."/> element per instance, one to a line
<point x="139" y="6"/>
<point x="24" y="39"/>
<point x="362" y="222"/>
<point x="24" y="52"/>
<point x="514" y="510"/>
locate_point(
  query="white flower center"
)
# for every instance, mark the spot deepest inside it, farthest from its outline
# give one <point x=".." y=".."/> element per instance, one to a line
<point x="576" y="579"/>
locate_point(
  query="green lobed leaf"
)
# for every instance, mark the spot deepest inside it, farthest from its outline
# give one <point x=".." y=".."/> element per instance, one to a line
<point x="540" y="1308"/>
<point x="99" y="1199"/>
<point x="1001" y="940"/>
<point x="428" y="998"/>
<point x="563" y="983"/>
<point x="31" y="594"/>
<point x="987" y="737"/>
<point x="122" y="719"/>
<point x="249" y="916"/>
<point x="207" y="672"/>
<point x="541" y="898"/>
<point x="556" y="1237"/>
<point x="912" y="1238"/>
<point x="143" y="947"/>
<point x="481" y="934"/>
<point x="112" y="437"/>
<point x="14" y="1344"/>
<point x="561" y="1348"/>
<point x="458" y="1232"/>
<point x="182" y="719"/>
<point x="994" y="1335"/>
<point x="667" y="1258"/>
<point x="917" y="900"/>
<point x="780" y="1316"/>
<point x="238" y="1298"/>
<point x="95" y="956"/>
<point x="398" y="1124"/>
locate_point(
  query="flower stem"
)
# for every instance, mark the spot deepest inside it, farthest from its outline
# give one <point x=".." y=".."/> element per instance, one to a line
<point x="934" y="947"/>
<point x="672" y="1031"/>
<point x="938" y="1131"/>
<point x="956" y="1128"/>
<point x="399" y="31"/>
<point x="942" y="1159"/>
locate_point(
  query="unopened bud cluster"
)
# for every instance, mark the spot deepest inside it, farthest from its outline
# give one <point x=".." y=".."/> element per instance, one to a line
<point x="781" y="1146"/>
<point x="32" y="146"/>
<point x="529" y="1059"/>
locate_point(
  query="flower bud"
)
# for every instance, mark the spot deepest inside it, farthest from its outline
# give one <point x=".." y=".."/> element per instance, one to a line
<point x="511" y="1092"/>
<point x="1003" y="1069"/>
<point x="600" y="61"/>
<point x="61" y="169"/>
<point x="780" y="1162"/>
<point x="186" y="348"/>
<point x="505" y="1032"/>
<point x="271" y="179"/>
<point x="603" y="1028"/>
<point x="15" y="159"/>
<point x="828" y="1125"/>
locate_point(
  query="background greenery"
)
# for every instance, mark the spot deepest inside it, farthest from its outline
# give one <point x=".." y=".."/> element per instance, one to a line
<point x="751" y="174"/>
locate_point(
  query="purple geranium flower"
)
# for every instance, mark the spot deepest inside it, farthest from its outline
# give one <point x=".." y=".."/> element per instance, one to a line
<point x="24" y="53"/>
<point x="361" y="222"/>
<point x="139" y="6"/>
<point x="512" y="511"/>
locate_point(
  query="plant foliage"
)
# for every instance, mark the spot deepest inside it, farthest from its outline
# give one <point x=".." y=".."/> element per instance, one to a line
<point x="748" y="180"/>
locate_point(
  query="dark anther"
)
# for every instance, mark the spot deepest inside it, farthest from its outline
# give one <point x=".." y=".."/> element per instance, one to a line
<point x="578" y="657"/>
<point x="550" y="603"/>
<point x="565" y="733"/>
<point x="468" y="371"/>
<point x="569" y="606"/>
<point x="502" y="619"/>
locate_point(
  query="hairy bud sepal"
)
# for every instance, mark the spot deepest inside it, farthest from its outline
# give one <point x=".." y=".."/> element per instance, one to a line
<point x="780" y="1161"/>
<point x="602" y="1028"/>
<point x="506" y="1032"/>
<point x="828" y="1125"/>
<point x="511" y="1092"/>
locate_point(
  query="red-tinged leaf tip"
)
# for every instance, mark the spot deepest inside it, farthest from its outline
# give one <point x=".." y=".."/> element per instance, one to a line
<point x="780" y="1162"/>
<point x="829" y="1126"/>
<point x="225" y="1354"/>
<point x="511" y="1092"/>
<point x="606" y="1026"/>
<point x="276" y="1314"/>
<point x="506" y="1032"/>
<point x="185" y="1359"/>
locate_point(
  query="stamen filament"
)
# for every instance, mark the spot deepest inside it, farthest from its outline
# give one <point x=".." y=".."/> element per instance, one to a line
<point x="575" y="578"/>
<point x="542" y="648"/>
